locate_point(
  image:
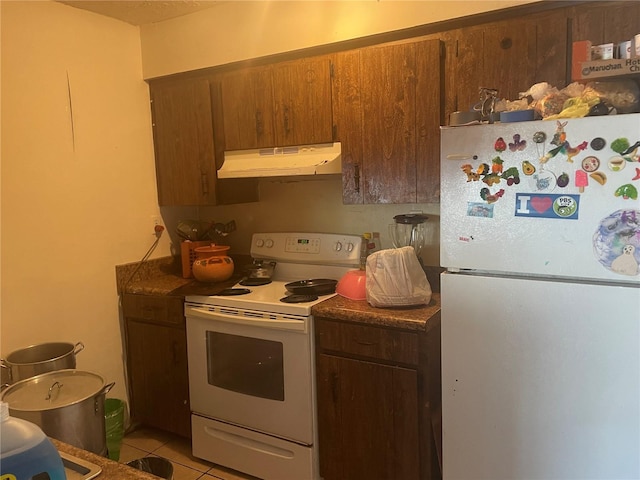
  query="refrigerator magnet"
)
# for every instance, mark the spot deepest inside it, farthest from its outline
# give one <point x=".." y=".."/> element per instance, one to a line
<point x="518" y="143"/>
<point x="543" y="181"/>
<point x="616" y="242"/>
<point x="478" y="209"/>
<point x="563" y="207"/>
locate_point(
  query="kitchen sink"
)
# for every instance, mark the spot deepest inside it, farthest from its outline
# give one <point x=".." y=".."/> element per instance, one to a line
<point x="78" y="469"/>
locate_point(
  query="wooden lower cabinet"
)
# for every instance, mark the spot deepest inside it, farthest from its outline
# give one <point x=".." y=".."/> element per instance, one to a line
<point x="374" y="408"/>
<point x="156" y="349"/>
<point x="368" y="420"/>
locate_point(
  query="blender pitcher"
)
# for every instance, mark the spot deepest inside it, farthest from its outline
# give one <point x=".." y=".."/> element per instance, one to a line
<point x="409" y="229"/>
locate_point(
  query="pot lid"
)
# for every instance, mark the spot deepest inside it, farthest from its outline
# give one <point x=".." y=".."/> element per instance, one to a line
<point x="411" y="218"/>
<point x="52" y="390"/>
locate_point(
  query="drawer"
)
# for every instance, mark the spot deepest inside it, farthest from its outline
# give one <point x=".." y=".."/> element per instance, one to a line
<point x="367" y="341"/>
<point x="154" y="308"/>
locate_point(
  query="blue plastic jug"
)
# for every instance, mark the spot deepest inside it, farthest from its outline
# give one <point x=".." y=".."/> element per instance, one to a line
<point x="25" y="451"/>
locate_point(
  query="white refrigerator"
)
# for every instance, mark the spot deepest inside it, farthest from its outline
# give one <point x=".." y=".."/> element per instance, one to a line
<point x="540" y="238"/>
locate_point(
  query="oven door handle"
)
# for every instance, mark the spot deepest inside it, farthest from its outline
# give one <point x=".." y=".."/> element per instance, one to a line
<point x="278" y="322"/>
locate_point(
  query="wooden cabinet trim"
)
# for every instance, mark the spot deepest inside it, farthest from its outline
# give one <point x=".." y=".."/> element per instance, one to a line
<point x="381" y="344"/>
<point x="154" y="309"/>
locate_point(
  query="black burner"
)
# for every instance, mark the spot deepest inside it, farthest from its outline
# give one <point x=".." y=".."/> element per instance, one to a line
<point x="299" y="298"/>
<point x="255" y="282"/>
<point x="228" y="292"/>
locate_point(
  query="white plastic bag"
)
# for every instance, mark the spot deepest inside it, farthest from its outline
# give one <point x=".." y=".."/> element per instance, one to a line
<point x="396" y="279"/>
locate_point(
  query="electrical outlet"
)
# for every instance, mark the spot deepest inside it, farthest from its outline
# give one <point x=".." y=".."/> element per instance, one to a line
<point x="158" y="224"/>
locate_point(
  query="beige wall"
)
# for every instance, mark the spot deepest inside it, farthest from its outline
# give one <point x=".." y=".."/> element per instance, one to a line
<point x="238" y="30"/>
<point x="78" y="201"/>
<point x="75" y="202"/>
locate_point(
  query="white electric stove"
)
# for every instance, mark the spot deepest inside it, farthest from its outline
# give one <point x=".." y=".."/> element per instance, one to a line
<point x="251" y="360"/>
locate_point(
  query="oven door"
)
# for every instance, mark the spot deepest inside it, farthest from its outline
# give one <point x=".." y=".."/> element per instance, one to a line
<point x="254" y="372"/>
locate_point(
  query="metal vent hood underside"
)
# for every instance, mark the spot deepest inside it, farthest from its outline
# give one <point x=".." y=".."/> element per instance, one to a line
<point x="321" y="159"/>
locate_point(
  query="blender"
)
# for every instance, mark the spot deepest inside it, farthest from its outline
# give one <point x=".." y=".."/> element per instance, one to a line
<point x="409" y="230"/>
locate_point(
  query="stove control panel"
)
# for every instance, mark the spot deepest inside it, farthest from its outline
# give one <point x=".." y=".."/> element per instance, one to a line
<point x="307" y="247"/>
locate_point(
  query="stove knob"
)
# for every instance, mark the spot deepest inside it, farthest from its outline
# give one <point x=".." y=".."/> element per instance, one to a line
<point x="268" y="243"/>
<point x="259" y="243"/>
<point x="338" y="246"/>
<point x="349" y="247"/>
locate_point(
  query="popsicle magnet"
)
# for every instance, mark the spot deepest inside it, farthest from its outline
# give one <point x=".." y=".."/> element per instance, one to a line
<point x="582" y="180"/>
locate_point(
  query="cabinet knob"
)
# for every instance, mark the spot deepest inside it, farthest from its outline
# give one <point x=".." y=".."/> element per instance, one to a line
<point x="506" y="43"/>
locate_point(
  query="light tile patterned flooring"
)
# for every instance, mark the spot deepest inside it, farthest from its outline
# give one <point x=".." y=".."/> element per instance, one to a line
<point x="145" y="442"/>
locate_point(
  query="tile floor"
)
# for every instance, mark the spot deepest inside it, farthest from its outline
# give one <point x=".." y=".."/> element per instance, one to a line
<point x="145" y="442"/>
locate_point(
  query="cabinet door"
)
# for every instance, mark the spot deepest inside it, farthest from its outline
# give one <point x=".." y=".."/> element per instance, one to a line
<point x="247" y="105"/>
<point x="608" y="22"/>
<point x="367" y="420"/>
<point x="158" y="375"/>
<point x="183" y="139"/>
<point x="388" y="116"/>
<point x="400" y="115"/>
<point x="428" y="120"/>
<point x="302" y="102"/>
<point x="347" y="116"/>
<point x="509" y="55"/>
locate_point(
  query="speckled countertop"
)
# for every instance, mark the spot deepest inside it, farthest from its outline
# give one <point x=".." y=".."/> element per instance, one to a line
<point x="164" y="277"/>
<point x="110" y="468"/>
<point x="421" y="318"/>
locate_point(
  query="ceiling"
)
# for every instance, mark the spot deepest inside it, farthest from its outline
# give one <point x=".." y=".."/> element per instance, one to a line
<point x="143" y="11"/>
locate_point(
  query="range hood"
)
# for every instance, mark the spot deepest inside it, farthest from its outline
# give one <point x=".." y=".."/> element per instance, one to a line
<point x="321" y="159"/>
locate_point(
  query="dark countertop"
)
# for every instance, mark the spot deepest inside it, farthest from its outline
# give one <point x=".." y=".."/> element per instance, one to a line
<point x="164" y="277"/>
<point x="110" y="468"/>
<point x="420" y="318"/>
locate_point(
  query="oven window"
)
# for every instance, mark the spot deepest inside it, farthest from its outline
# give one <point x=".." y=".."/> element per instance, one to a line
<point x="252" y="366"/>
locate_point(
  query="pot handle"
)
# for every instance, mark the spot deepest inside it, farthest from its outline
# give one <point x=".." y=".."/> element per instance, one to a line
<point x="4" y="365"/>
<point x="96" y="399"/>
<point x="78" y="348"/>
<point x="106" y="389"/>
<point x="58" y="384"/>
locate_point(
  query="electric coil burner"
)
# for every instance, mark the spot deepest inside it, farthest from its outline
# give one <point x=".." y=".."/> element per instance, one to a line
<point x="299" y="298"/>
<point x="254" y="282"/>
<point x="251" y="360"/>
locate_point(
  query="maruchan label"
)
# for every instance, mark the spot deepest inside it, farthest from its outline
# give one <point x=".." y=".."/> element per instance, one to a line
<point x="563" y="207"/>
<point x="611" y="67"/>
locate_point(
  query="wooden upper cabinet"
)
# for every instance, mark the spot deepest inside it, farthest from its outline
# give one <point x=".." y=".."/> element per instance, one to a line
<point x="347" y="116"/>
<point x="508" y="55"/>
<point x="428" y="120"/>
<point x="388" y="98"/>
<point x="183" y="140"/>
<point x="283" y="104"/>
<point x="302" y="100"/>
<point x="247" y="106"/>
<point x="608" y="22"/>
<point x="188" y="149"/>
